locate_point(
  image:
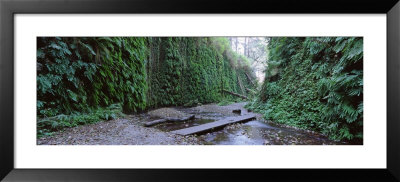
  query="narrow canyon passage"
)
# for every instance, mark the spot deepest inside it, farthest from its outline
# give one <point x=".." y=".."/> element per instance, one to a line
<point x="199" y="90"/>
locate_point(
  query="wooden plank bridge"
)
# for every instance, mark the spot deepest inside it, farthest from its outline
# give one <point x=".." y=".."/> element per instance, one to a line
<point x="213" y="125"/>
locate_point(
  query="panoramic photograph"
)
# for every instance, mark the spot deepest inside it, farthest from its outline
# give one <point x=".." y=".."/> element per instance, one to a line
<point x="199" y="91"/>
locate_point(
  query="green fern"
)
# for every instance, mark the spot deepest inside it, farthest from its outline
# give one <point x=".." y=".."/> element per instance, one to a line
<point x="315" y="83"/>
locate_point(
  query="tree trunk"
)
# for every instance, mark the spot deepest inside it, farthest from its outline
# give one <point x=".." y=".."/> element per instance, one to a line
<point x="245" y="47"/>
<point x="241" y="86"/>
<point x="235" y="94"/>
<point x="236" y="44"/>
<point x="248" y="77"/>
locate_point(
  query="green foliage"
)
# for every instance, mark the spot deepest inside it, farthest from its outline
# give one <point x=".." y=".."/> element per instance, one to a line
<point x="47" y="125"/>
<point x="315" y="83"/>
<point x="122" y="74"/>
<point x="76" y="76"/>
<point x="225" y="103"/>
<point x="186" y="71"/>
<point x="191" y="103"/>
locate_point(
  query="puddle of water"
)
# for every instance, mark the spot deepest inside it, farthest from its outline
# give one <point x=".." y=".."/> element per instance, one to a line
<point x="260" y="133"/>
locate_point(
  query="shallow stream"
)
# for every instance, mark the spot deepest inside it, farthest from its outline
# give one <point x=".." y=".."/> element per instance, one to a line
<point x="249" y="133"/>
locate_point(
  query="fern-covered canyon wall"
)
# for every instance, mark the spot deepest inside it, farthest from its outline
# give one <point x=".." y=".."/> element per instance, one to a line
<point x="315" y="83"/>
<point x="85" y="74"/>
<point x="187" y="71"/>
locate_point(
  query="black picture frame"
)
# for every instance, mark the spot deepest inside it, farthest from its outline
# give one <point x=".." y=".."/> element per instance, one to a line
<point x="8" y="8"/>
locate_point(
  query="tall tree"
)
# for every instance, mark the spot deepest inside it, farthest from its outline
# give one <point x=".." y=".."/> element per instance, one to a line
<point x="245" y="46"/>
<point x="236" y="44"/>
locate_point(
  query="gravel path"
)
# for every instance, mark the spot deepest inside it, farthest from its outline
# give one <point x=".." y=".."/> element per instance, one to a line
<point x="123" y="131"/>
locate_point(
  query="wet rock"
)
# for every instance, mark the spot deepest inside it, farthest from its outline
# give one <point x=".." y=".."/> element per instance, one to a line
<point x="237" y="111"/>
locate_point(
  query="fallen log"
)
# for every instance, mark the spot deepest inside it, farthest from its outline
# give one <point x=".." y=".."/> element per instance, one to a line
<point x="158" y="121"/>
<point x="151" y="123"/>
<point x="251" y="81"/>
<point x="235" y="94"/>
